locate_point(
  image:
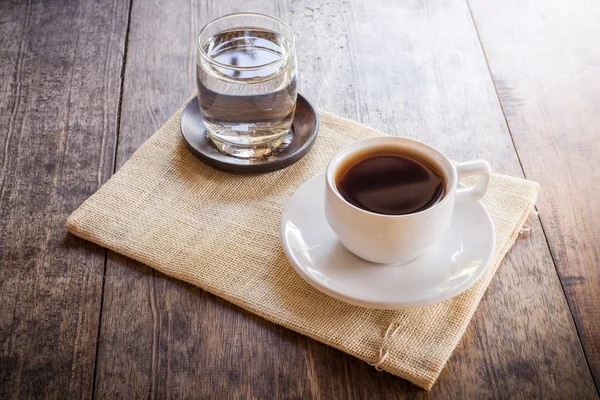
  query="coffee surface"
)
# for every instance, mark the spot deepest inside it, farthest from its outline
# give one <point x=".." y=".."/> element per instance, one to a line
<point x="391" y="184"/>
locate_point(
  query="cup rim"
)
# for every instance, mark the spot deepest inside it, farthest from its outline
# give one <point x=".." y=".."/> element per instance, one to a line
<point x="329" y="176"/>
<point x="254" y="67"/>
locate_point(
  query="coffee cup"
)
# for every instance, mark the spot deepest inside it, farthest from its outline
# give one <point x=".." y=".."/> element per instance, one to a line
<point x="387" y="237"/>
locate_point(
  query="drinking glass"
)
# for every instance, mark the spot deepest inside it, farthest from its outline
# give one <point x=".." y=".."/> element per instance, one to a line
<point x="246" y="76"/>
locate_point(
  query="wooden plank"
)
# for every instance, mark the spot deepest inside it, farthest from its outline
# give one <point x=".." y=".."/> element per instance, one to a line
<point x="410" y="69"/>
<point x="59" y="94"/>
<point x="432" y="83"/>
<point x="545" y="60"/>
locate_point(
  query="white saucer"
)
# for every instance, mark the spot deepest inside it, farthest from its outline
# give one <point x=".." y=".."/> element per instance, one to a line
<point x="447" y="268"/>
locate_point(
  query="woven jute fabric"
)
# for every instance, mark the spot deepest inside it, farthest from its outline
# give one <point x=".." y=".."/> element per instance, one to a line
<point x="220" y="232"/>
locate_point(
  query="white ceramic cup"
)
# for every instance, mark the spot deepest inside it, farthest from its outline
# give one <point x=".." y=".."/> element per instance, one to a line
<point x="398" y="238"/>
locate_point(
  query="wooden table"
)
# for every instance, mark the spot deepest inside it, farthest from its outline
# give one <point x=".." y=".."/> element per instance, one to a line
<point x="84" y="84"/>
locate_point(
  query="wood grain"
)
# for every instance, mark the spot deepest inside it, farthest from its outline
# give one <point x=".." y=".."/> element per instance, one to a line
<point x="413" y="69"/>
<point x="432" y="85"/>
<point x="545" y="62"/>
<point x="59" y="94"/>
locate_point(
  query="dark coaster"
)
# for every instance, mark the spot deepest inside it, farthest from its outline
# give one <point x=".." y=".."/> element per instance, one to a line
<point x="296" y="144"/>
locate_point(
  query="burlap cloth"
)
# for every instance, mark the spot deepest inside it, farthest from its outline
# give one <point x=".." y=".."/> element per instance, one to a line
<point x="220" y="232"/>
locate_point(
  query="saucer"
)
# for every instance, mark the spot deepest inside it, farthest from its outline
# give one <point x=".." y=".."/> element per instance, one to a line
<point x="296" y="144"/>
<point x="446" y="269"/>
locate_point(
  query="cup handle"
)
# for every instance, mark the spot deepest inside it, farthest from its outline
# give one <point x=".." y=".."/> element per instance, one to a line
<point x="470" y="168"/>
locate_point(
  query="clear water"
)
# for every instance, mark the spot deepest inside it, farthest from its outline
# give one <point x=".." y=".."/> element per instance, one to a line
<point x="247" y="112"/>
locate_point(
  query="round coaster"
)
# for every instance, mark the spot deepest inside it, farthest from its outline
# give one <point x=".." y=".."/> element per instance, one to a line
<point x="296" y="144"/>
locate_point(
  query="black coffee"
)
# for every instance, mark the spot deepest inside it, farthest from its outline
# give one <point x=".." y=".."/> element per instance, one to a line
<point x="390" y="183"/>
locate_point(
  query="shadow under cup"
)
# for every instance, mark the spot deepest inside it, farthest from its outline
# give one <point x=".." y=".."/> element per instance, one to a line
<point x="246" y="77"/>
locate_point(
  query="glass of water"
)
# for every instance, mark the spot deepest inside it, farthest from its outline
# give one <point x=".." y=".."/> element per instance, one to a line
<point x="246" y="76"/>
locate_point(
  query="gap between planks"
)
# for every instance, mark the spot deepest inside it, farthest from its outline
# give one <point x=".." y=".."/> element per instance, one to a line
<point x="114" y="167"/>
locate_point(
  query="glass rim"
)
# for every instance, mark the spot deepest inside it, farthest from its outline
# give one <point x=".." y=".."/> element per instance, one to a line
<point x="254" y="67"/>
